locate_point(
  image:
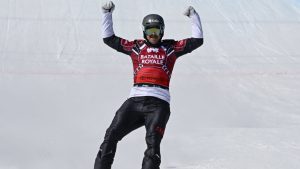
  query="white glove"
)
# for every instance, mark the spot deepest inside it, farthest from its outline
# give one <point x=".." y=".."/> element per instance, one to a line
<point x="108" y="7"/>
<point x="189" y="11"/>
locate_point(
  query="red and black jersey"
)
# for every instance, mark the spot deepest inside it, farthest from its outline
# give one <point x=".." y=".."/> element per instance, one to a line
<point x="153" y="64"/>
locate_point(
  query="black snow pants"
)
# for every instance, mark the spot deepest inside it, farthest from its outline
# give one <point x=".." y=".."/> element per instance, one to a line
<point x="151" y="112"/>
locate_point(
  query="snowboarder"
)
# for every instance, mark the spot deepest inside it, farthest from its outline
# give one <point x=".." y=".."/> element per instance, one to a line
<point x="148" y="103"/>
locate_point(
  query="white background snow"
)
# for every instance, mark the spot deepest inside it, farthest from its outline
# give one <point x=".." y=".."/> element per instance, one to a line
<point x="235" y="101"/>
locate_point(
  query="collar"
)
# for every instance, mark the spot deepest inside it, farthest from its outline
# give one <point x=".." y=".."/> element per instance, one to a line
<point x="153" y="45"/>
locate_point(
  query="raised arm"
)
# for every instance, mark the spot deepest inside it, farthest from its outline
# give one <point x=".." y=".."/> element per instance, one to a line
<point x="109" y="37"/>
<point x="196" y="22"/>
<point x="107" y="23"/>
<point x="190" y="44"/>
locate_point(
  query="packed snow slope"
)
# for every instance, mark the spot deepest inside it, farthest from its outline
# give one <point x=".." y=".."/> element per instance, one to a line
<point x="235" y="100"/>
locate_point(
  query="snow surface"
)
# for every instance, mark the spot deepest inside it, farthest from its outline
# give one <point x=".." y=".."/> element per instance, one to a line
<point x="235" y="101"/>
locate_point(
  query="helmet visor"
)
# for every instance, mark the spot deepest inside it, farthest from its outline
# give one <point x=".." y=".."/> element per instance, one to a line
<point x="152" y="31"/>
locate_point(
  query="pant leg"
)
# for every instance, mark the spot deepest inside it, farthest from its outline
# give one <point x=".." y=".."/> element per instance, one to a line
<point x="155" y="122"/>
<point x="126" y="120"/>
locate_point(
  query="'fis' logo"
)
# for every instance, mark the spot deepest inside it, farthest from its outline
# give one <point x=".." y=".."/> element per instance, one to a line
<point x="152" y="50"/>
<point x="153" y="21"/>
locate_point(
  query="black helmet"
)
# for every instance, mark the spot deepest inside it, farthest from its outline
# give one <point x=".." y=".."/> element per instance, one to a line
<point x="154" y="20"/>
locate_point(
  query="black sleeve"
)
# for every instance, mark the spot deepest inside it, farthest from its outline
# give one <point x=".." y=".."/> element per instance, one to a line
<point x="119" y="44"/>
<point x="188" y="46"/>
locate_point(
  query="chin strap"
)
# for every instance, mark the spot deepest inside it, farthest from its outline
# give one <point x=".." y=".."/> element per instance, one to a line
<point x="153" y="45"/>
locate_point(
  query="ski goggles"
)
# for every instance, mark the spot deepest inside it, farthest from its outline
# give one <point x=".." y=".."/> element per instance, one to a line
<point x="152" y="31"/>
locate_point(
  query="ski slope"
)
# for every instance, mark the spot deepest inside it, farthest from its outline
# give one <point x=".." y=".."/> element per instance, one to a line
<point x="235" y="101"/>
